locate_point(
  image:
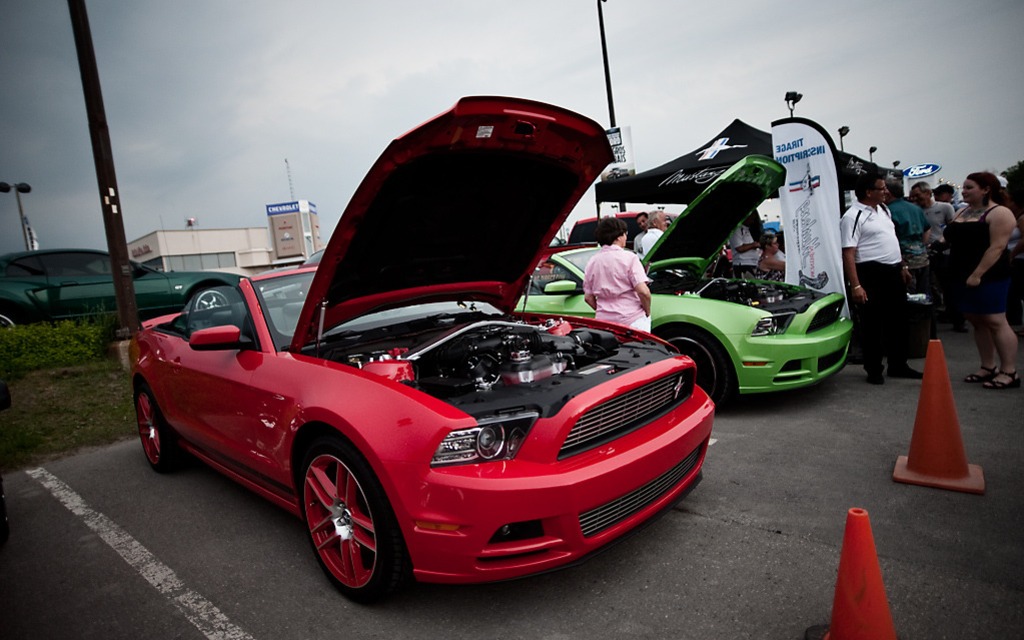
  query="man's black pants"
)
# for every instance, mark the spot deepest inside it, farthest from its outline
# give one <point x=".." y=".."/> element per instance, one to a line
<point x="884" y="328"/>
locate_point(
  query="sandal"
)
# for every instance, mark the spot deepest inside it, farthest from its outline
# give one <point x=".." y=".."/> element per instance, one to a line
<point x="974" y="377"/>
<point x="1014" y="382"/>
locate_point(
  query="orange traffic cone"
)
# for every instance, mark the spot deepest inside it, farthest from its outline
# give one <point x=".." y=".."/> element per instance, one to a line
<point x="860" y="610"/>
<point x="937" y="456"/>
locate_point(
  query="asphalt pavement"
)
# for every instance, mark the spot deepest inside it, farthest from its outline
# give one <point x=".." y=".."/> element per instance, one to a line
<point x="102" y="547"/>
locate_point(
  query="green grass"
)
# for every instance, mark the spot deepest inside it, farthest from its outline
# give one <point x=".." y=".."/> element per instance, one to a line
<point x="59" y="410"/>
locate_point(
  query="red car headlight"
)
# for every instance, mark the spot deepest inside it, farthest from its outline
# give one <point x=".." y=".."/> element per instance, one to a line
<point x="497" y="438"/>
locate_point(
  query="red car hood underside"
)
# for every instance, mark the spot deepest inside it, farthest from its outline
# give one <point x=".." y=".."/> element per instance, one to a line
<point x="457" y="209"/>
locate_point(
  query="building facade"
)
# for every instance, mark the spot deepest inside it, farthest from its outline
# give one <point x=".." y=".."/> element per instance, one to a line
<point x="292" y="234"/>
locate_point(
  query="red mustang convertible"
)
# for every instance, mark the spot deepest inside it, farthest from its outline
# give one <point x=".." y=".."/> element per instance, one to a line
<point x="390" y="399"/>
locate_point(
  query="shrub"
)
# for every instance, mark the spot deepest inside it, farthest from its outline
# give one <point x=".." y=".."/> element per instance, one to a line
<point x="30" y="347"/>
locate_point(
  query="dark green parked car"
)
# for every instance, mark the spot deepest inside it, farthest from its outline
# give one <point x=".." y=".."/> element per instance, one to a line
<point x="54" y="284"/>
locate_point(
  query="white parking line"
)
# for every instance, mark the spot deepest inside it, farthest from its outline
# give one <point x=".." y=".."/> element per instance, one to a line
<point x="200" y="612"/>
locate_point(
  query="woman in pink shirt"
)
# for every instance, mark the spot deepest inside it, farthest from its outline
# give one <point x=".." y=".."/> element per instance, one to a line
<point x="614" y="282"/>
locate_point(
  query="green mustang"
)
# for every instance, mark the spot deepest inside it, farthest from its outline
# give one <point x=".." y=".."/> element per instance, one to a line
<point x="54" y="284"/>
<point x="746" y="336"/>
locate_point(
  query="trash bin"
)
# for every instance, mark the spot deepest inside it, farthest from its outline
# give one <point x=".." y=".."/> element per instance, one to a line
<point x="922" y="325"/>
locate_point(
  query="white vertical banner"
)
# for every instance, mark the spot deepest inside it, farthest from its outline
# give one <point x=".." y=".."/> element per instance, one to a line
<point x="810" y="205"/>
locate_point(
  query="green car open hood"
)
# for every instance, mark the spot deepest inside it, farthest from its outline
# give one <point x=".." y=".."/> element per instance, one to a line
<point x="696" y="237"/>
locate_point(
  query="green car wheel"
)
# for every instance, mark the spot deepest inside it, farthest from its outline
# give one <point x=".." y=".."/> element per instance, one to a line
<point x="714" y="368"/>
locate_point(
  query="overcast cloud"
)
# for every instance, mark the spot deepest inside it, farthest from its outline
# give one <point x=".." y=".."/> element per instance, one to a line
<point x="205" y="99"/>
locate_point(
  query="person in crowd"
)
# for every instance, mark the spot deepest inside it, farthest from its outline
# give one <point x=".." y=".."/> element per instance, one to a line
<point x="939" y="214"/>
<point x="913" y="231"/>
<point x="1015" y="300"/>
<point x="980" y="270"/>
<point x="772" y="263"/>
<point x="614" y="282"/>
<point x="946" y="193"/>
<point x="878" y="281"/>
<point x="657" y="223"/>
<point x="746" y="251"/>
<point x="641" y="224"/>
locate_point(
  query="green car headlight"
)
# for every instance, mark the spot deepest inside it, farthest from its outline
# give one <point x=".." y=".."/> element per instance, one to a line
<point x="773" y="324"/>
<point x="497" y="438"/>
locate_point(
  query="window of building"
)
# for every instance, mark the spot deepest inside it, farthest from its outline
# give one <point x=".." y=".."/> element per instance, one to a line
<point x="201" y="261"/>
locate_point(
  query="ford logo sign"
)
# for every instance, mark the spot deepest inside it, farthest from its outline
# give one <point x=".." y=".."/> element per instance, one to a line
<point x="921" y="170"/>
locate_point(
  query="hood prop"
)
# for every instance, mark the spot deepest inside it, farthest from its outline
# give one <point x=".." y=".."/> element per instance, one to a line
<point x="320" y="326"/>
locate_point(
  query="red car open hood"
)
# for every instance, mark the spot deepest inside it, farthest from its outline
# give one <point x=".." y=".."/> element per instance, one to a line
<point x="457" y="209"/>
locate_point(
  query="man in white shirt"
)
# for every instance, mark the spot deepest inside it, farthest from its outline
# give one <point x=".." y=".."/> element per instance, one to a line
<point x="641" y="223"/>
<point x="878" y="281"/>
<point x="657" y="222"/>
<point x="746" y="249"/>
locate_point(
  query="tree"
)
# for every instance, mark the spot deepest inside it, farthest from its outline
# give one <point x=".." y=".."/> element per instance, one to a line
<point x="1015" y="178"/>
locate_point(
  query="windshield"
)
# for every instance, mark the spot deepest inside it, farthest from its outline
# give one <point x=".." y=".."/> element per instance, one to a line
<point x="282" y="299"/>
<point x="579" y="259"/>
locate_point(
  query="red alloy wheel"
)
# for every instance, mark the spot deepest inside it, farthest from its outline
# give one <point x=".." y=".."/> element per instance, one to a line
<point x="339" y="520"/>
<point x="149" y="432"/>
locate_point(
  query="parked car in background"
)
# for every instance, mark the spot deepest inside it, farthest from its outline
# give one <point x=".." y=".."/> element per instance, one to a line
<point x="582" y="233"/>
<point x="314" y="258"/>
<point x="55" y="284"/>
<point x="389" y="397"/>
<point x="5" y="525"/>
<point x="746" y="336"/>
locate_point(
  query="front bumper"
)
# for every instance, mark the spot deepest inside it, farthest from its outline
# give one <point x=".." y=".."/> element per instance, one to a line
<point x="558" y="512"/>
<point x="791" y="361"/>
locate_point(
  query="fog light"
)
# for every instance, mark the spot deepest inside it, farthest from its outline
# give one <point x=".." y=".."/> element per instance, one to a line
<point x="518" y="531"/>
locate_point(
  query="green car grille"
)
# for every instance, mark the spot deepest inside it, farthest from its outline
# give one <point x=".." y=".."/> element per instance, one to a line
<point x="826" y="317"/>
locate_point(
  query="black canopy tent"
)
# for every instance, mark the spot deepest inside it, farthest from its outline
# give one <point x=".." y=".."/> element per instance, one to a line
<point x="683" y="179"/>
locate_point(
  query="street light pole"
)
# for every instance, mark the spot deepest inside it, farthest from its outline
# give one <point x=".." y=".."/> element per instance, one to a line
<point x="607" y="73"/>
<point x="871" y="154"/>
<point x="843" y="130"/>
<point x="19" y="188"/>
<point x="607" y="85"/>
<point x="793" y="97"/>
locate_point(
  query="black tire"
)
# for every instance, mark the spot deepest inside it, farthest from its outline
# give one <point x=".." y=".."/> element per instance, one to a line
<point x="159" y="442"/>
<point x="354" y="532"/>
<point x="715" y="373"/>
<point x="5" y="525"/>
<point x="9" y="317"/>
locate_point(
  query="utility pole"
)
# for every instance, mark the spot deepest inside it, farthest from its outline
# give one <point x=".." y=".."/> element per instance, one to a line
<point x="113" y="223"/>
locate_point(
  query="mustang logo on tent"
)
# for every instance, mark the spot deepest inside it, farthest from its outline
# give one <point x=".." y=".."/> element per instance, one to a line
<point x="718" y="145"/>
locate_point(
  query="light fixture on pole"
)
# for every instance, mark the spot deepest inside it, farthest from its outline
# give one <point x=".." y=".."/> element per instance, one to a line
<point x="895" y="163"/>
<point x="19" y="188"/>
<point x="843" y="130"/>
<point x="792" y="97"/>
<point x="871" y="154"/>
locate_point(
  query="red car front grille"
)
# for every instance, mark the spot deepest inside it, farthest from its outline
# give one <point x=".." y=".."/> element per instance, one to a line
<point x="626" y="412"/>
<point x="597" y="520"/>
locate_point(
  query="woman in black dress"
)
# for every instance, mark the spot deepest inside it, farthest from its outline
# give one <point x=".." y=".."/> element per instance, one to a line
<point x="980" y="269"/>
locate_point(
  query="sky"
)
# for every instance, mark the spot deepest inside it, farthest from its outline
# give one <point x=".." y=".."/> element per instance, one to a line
<point x="218" y="107"/>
